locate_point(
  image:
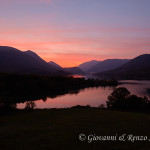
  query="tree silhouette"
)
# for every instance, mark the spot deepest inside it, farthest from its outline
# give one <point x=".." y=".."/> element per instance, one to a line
<point x="117" y="98"/>
<point x="120" y="99"/>
<point x="136" y="103"/>
<point x="30" y="105"/>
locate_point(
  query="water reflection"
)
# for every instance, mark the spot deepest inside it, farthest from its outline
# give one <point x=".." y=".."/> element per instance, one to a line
<point x="11" y="101"/>
<point x="61" y="99"/>
<point x="137" y="87"/>
<point x="90" y="96"/>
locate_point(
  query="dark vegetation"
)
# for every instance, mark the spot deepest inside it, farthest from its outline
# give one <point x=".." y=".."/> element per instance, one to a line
<point x="59" y="129"/>
<point x="74" y="70"/>
<point x="20" y="88"/>
<point x="121" y="99"/>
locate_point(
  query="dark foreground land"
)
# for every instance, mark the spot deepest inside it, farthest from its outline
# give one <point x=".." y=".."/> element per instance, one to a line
<point x="15" y="88"/>
<point x="59" y="129"/>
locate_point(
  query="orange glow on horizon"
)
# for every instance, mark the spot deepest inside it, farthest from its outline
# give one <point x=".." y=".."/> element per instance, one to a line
<point x="73" y="52"/>
<point x="68" y="61"/>
<point x="63" y="32"/>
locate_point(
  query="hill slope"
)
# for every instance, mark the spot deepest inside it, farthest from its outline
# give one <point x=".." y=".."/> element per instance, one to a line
<point x="107" y="64"/>
<point x="58" y="67"/>
<point x="74" y="70"/>
<point x="137" y="68"/>
<point x="87" y="65"/>
<point x="15" y="61"/>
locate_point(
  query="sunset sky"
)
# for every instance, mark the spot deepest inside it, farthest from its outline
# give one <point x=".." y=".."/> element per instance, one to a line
<point x="70" y="32"/>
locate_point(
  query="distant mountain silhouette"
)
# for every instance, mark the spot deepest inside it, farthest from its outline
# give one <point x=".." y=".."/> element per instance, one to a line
<point x="15" y="61"/>
<point x="107" y="64"/>
<point x="33" y="54"/>
<point x="137" y="68"/>
<point x="61" y="73"/>
<point x="58" y="67"/>
<point x="74" y="70"/>
<point x="88" y="65"/>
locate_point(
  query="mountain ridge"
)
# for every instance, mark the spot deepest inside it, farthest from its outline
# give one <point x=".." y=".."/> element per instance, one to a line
<point x="87" y="65"/>
<point x="137" y="68"/>
<point x="58" y="67"/>
<point x="13" y="60"/>
<point x="74" y="70"/>
<point x="107" y="64"/>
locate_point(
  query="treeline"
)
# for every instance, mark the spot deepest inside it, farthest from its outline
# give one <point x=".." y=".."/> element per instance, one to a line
<point x="122" y="99"/>
<point x="125" y="75"/>
<point x="15" y="88"/>
<point x="37" y="83"/>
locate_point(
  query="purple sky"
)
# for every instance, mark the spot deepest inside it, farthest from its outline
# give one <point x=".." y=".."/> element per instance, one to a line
<point x="70" y="32"/>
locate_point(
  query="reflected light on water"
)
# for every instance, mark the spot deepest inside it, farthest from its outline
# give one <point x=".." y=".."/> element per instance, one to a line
<point x="90" y="96"/>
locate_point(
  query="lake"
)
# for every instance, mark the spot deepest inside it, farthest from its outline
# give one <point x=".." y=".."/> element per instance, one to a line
<point x="91" y="96"/>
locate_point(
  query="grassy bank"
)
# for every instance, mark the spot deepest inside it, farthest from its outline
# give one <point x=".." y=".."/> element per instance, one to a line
<point x="60" y="128"/>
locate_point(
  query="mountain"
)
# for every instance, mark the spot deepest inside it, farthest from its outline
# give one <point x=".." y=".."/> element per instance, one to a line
<point x="87" y="65"/>
<point x="137" y="68"/>
<point x="74" y="70"/>
<point x="15" y="61"/>
<point x="107" y="64"/>
<point x="33" y="54"/>
<point x="58" y="67"/>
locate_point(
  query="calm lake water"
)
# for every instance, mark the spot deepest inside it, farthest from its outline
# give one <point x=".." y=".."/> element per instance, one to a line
<point x="91" y="96"/>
